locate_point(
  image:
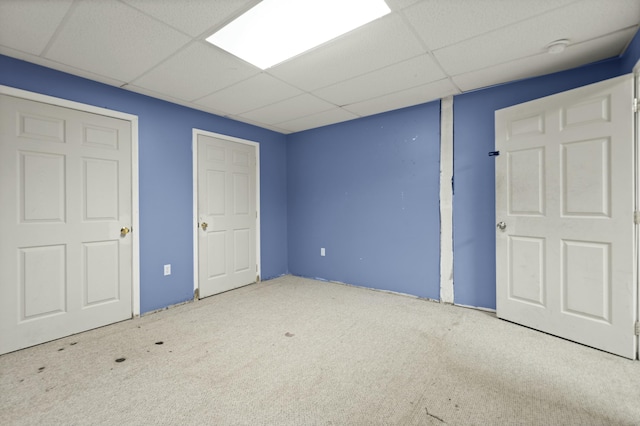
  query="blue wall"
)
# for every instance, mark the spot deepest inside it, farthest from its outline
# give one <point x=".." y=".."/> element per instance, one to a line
<point x="474" y="173"/>
<point x="165" y="170"/>
<point x="368" y="191"/>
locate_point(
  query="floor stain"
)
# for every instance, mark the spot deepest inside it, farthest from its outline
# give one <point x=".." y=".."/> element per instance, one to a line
<point x="289" y="334"/>
<point x="431" y="415"/>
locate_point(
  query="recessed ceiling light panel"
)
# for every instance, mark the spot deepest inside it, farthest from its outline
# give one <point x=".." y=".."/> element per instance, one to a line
<point x="276" y="30"/>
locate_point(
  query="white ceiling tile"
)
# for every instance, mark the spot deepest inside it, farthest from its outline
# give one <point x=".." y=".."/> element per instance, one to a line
<point x="258" y="124"/>
<point x="288" y="109"/>
<point x="532" y="36"/>
<point x="402" y="75"/>
<point x="544" y="63"/>
<point x="194" y="16"/>
<point x="381" y="66"/>
<point x="165" y="97"/>
<point x="255" y="92"/>
<point x="196" y="71"/>
<point x="396" y="5"/>
<point x="113" y="39"/>
<point x="373" y="46"/>
<point x="40" y="16"/>
<point x="405" y="98"/>
<point x="58" y="66"/>
<point x="332" y="116"/>
<point x="442" y="23"/>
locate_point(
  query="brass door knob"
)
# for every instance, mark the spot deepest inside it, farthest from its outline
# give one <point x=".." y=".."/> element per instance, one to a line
<point x="204" y="226"/>
<point x="124" y="231"/>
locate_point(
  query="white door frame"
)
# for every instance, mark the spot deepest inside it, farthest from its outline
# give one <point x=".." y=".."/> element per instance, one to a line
<point x="135" y="222"/>
<point x="636" y="147"/>
<point x="194" y="148"/>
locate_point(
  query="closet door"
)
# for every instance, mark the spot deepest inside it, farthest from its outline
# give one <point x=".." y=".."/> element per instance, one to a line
<point x="565" y="230"/>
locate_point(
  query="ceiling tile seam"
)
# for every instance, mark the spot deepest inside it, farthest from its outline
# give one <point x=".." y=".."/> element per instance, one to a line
<point x="272" y="103"/>
<point x="181" y="102"/>
<point x="333" y="106"/>
<point x="512" y="24"/>
<point x="153" y="94"/>
<point x="394" y="92"/>
<point x="200" y="38"/>
<point x="402" y="8"/>
<point x="301" y="117"/>
<point x="288" y="83"/>
<point x="377" y="70"/>
<point x="286" y="124"/>
<point x="628" y="43"/>
<point x="303" y="92"/>
<point x="413" y="30"/>
<point x="606" y="35"/>
<point x="256" y="123"/>
<point x="80" y="72"/>
<point x="621" y="30"/>
<point x="148" y="15"/>
<point x="163" y="61"/>
<point x="428" y="51"/>
<point x="215" y="28"/>
<point x="228" y="87"/>
<point x="59" y="28"/>
<point x="542" y="52"/>
<point x="493" y="65"/>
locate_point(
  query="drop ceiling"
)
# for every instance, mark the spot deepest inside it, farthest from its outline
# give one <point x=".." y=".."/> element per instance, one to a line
<point x="424" y="50"/>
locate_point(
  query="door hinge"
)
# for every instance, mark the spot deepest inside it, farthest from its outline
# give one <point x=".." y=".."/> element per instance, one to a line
<point x="637" y="330"/>
<point x="635" y="104"/>
<point x="636" y="217"/>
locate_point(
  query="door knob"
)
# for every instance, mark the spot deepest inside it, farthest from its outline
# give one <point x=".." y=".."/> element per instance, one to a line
<point x="501" y="226"/>
<point x="124" y="231"/>
<point x="204" y="226"/>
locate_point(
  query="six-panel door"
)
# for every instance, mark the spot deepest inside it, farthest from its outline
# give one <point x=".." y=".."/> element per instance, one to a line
<point x="565" y="192"/>
<point x="227" y="209"/>
<point x="65" y="192"/>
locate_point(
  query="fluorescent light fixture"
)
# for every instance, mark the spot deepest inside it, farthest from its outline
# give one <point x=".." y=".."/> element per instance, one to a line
<point x="276" y="30"/>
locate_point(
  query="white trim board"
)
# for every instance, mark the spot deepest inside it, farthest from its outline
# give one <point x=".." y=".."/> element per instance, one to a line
<point x="135" y="219"/>
<point x="446" y="200"/>
<point x="636" y="146"/>
<point x="194" y="149"/>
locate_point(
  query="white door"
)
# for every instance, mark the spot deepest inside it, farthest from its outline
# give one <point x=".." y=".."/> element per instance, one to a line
<point x="65" y="194"/>
<point x="565" y="215"/>
<point x="226" y="215"/>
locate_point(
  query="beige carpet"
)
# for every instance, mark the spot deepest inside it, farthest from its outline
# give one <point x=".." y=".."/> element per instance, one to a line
<point x="293" y="351"/>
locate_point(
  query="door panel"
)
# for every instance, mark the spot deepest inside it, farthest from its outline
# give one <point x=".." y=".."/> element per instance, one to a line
<point x="564" y="191"/>
<point x="227" y="204"/>
<point x="65" y="188"/>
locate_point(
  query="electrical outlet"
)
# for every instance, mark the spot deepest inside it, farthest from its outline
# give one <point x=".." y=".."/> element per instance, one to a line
<point x="322" y="252"/>
<point x="167" y="269"/>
